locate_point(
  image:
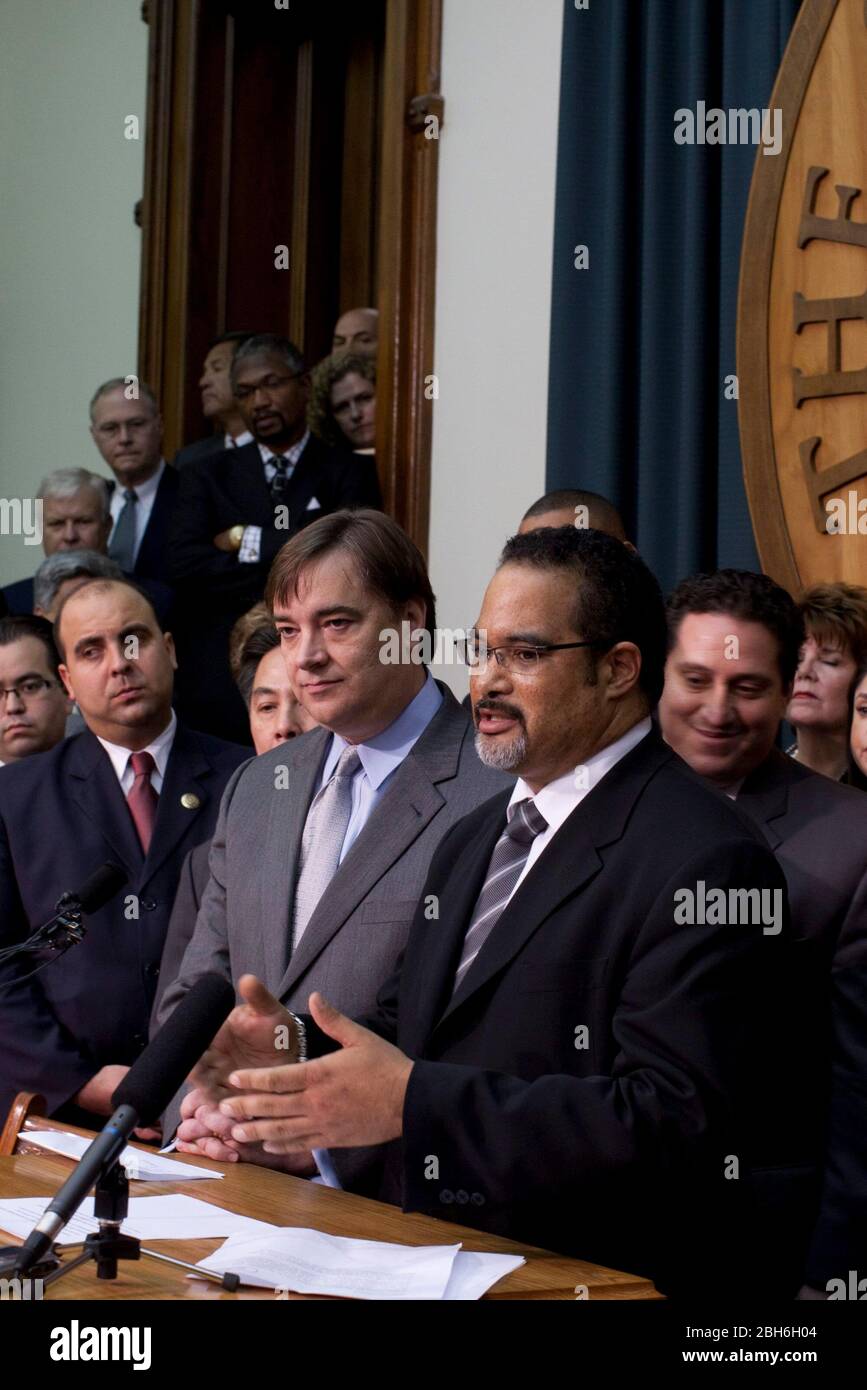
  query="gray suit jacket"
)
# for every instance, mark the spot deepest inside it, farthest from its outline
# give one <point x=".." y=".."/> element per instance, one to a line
<point x="357" y="932"/>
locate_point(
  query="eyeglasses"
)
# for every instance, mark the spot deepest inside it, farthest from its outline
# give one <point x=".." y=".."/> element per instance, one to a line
<point x="134" y="426"/>
<point x="518" y="658"/>
<point x="30" y="689"/>
<point x="270" y="384"/>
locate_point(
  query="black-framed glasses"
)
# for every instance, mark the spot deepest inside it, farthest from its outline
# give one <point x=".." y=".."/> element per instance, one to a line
<point x="29" y="689"/>
<point x="517" y="657"/>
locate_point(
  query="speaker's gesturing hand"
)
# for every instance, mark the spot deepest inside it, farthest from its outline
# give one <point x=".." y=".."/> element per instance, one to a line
<point x="257" y="1033"/>
<point x="342" y="1100"/>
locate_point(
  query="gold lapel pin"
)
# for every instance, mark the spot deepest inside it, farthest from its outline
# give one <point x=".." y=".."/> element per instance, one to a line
<point x="190" y="801"/>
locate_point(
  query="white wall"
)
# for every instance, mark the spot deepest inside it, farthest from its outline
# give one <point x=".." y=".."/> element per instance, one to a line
<point x="495" y="230"/>
<point x="70" y="72"/>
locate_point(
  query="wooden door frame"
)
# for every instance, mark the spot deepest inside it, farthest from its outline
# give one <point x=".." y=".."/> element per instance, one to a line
<point x="406" y="262"/>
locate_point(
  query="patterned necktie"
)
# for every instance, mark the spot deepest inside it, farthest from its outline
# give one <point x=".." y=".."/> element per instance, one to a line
<point x="322" y="841"/>
<point x="510" y="855"/>
<point x="143" y="800"/>
<point x="282" y="463"/>
<point x="122" y="545"/>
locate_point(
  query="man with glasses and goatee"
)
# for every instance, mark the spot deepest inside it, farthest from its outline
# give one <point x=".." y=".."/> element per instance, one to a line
<point x="236" y="509"/>
<point x="570" y="1056"/>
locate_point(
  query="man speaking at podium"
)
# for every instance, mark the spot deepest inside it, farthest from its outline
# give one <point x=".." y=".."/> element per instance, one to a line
<point x="568" y="1056"/>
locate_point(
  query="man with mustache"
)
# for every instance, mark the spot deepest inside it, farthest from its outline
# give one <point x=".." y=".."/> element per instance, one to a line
<point x="137" y="788"/>
<point x="734" y="640"/>
<point x="563" y="1058"/>
<point x="236" y="509"/>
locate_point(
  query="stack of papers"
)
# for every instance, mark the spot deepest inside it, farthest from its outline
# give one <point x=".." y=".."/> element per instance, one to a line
<point x="299" y="1260"/>
<point x="150" y="1218"/>
<point x="140" y="1164"/>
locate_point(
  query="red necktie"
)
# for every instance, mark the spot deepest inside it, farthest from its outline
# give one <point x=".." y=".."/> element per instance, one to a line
<point x="142" y="799"/>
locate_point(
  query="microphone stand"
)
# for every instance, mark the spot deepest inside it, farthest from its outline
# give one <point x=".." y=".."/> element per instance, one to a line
<point x="108" y="1245"/>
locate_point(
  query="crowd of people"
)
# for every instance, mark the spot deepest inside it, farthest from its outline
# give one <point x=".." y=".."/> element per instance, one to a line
<point x="581" y="960"/>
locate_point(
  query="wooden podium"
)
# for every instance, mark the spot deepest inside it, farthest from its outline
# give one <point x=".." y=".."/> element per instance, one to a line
<point x="288" y="1201"/>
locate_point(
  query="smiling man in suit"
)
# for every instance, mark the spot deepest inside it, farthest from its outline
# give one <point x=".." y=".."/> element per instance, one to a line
<point x="323" y="843"/>
<point x="571" y="1055"/>
<point x="238" y="508"/>
<point x="734" y="639"/>
<point x="137" y="788"/>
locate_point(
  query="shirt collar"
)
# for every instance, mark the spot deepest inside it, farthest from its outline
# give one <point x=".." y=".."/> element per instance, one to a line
<point x="159" y="750"/>
<point x="231" y="442"/>
<point x="145" y="491"/>
<point x="558" y="799"/>
<point x="384" y="752"/>
<point x="293" y="454"/>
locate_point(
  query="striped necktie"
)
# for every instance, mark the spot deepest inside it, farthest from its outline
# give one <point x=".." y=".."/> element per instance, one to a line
<point x="524" y="822"/>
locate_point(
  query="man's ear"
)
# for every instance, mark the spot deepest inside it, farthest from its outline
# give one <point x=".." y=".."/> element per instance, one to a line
<point x="63" y="673"/>
<point x="170" y="648"/>
<point x="624" y="666"/>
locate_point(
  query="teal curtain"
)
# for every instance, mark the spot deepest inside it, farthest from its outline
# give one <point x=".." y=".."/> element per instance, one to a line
<point x="642" y="340"/>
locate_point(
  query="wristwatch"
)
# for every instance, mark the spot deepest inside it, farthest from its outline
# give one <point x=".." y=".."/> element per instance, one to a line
<point x="236" y="535"/>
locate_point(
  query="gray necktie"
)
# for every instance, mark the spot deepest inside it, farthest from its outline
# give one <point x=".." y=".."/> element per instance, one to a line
<point x="322" y="841"/>
<point x="524" y="822"/>
<point x="122" y="545"/>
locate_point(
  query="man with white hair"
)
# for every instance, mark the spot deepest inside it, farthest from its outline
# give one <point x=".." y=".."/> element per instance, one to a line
<point x="75" y="516"/>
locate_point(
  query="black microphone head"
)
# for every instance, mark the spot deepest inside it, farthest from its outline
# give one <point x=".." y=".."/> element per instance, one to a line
<point x="168" y="1059"/>
<point x="99" y="889"/>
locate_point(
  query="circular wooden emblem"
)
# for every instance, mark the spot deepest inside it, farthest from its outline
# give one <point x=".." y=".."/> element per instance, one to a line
<point x="802" y="309"/>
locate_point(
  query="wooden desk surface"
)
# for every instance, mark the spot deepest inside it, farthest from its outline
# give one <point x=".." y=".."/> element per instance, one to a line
<point x="288" y="1201"/>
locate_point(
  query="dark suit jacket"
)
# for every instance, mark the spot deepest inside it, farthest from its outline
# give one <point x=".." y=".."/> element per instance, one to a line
<point x="214" y="588"/>
<point x="818" y="831"/>
<point x="20" y="597"/>
<point x="152" y="559"/>
<point x="201" y="449"/>
<point x="619" y="1151"/>
<point x="62" y="814"/>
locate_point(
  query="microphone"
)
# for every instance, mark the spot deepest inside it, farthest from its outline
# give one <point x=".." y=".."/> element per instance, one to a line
<point x="141" y="1097"/>
<point x="99" y="889"/>
<point x="65" y="929"/>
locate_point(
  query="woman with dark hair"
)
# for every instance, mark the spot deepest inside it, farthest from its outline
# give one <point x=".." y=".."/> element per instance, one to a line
<point x="856" y="773"/>
<point x="835" y="619"/>
<point x="342" y="409"/>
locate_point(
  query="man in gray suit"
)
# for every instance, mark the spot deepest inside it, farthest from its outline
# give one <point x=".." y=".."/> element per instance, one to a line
<point x="734" y="639"/>
<point x="323" y="845"/>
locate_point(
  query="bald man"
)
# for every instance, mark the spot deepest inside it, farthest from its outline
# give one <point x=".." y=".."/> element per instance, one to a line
<point x="136" y="788"/>
<point x="574" y="506"/>
<point x="357" y="331"/>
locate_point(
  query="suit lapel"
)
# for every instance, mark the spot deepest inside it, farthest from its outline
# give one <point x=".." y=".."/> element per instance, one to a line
<point x="407" y="806"/>
<point x="765" y="796"/>
<point x="287" y="812"/>
<point x="95" y="790"/>
<point x="248" y="487"/>
<point x="569" y="862"/>
<point x="188" y="775"/>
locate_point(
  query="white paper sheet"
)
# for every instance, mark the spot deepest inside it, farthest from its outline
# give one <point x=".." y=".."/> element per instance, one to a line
<point x="174" y="1217"/>
<point x="475" y="1271"/>
<point x="305" y="1261"/>
<point x="145" y="1167"/>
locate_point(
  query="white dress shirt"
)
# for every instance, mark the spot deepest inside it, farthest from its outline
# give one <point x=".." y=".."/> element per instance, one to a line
<point x="245" y="437"/>
<point x="146" y="493"/>
<point x="251" y="541"/>
<point x="559" y="798"/>
<point x="159" y="751"/>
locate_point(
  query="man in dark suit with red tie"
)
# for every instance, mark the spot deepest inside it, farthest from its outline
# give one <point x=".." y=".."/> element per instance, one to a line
<point x="576" y="1052"/>
<point x="235" y="511"/>
<point x="138" y="788"/>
